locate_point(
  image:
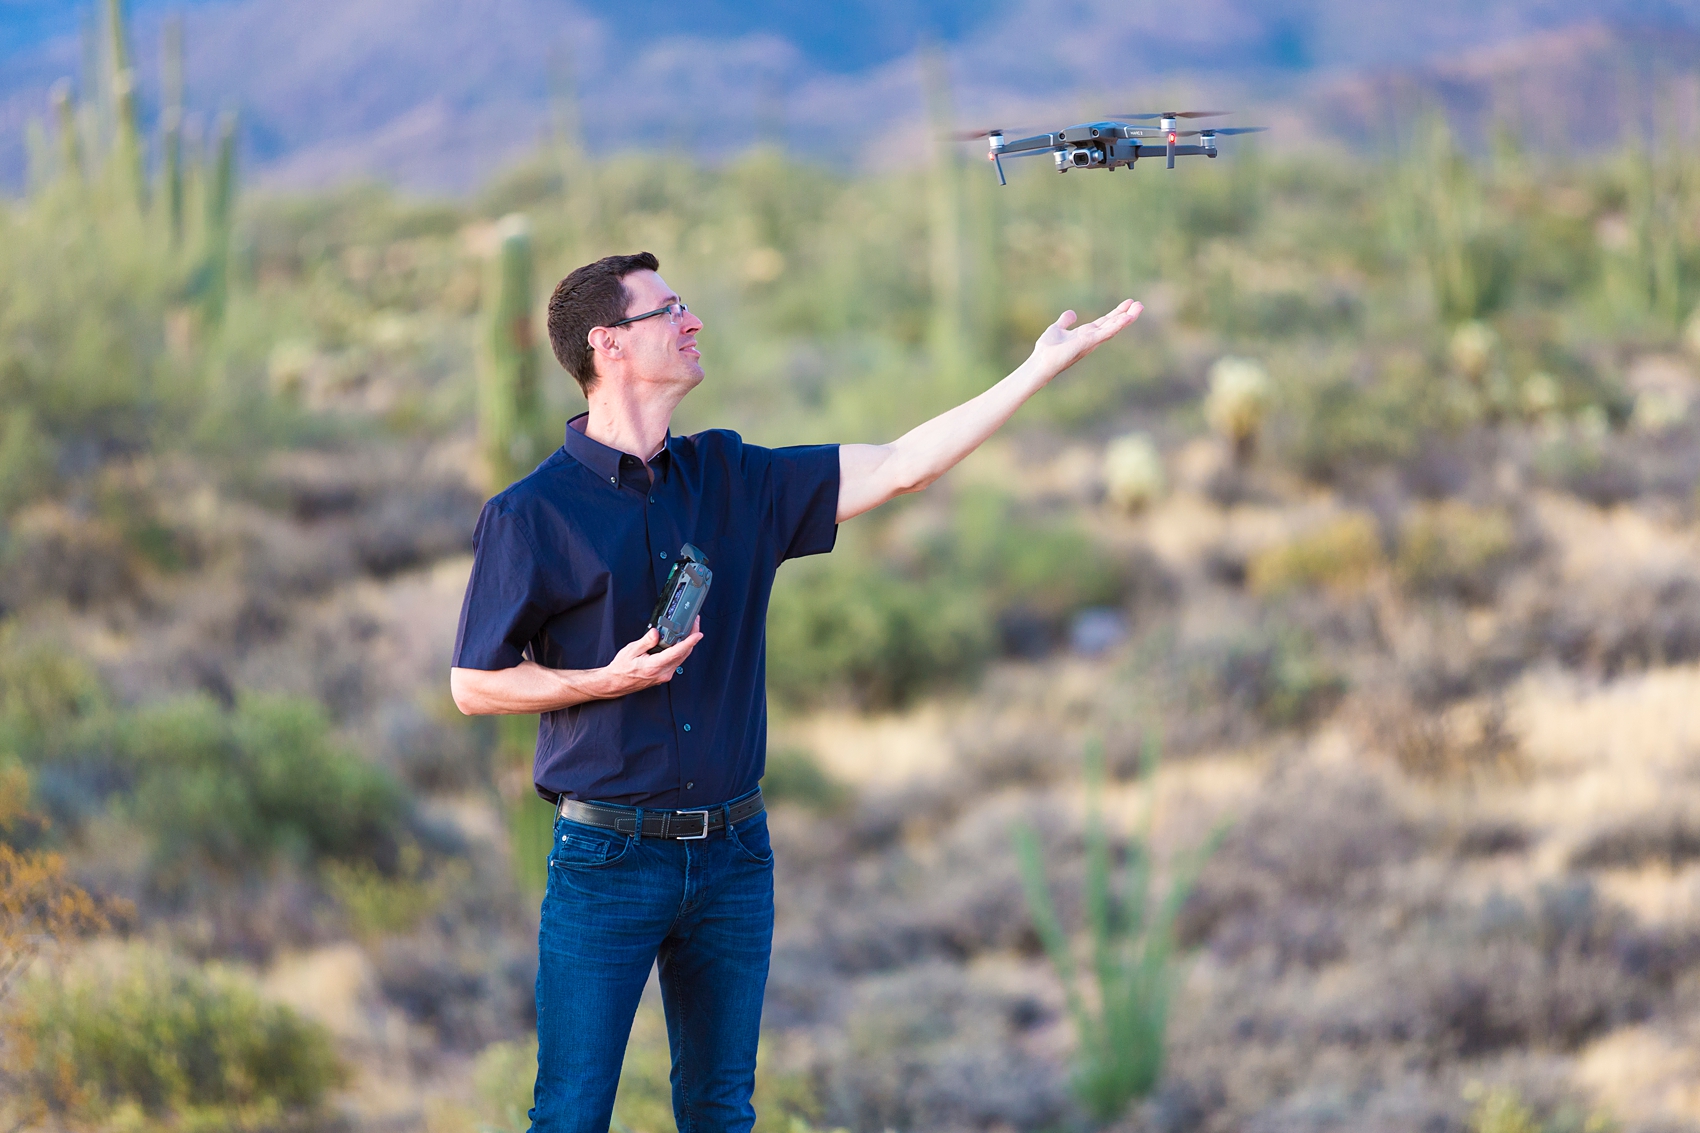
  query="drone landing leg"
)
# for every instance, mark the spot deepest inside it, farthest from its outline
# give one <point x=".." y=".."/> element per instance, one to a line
<point x="998" y="161"/>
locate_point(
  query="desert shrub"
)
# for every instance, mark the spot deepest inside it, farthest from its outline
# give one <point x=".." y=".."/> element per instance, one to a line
<point x="38" y="904"/>
<point x="1270" y="676"/>
<point x="230" y="788"/>
<point x="1503" y="1111"/>
<point x="931" y="1047"/>
<point x="1342" y="425"/>
<point x="1467" y="742"/>
<point x="1583" y="462"/>
<point x="1041" y="565"/>
<point x="144" y="1030"/>
<point x="1284" y="679"/>
<point x="1452" y="547"/>
<point x="1121" y="1014"/>
<point x="1672" y="840"/>
<point x="378" y="905"/>
<point x="464" y="987"/>
<point x="1297" y="866"/>
<point x="1339" y="555"/>
<point x="44" y="692"/>
<point x="851" y="627"/>
<point x="882" y="633"/>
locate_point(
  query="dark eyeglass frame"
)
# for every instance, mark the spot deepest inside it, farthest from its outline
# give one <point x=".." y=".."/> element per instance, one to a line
<point x="667" y="310"/>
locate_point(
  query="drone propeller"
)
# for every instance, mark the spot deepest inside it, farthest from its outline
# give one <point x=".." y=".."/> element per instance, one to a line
<point x="975" y="135"/>
<point x="1173" y="114"/>
<point x="1217" y="132"/>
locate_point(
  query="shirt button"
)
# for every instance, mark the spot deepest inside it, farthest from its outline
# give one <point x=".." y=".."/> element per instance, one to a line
<point x="652" y="499"/>
<point x="687" y="727"/>
<point x="679" y="670"/>
<point x="613" y="480"/>
<point x="691" y="786"/>
<point x="663" y="554"/>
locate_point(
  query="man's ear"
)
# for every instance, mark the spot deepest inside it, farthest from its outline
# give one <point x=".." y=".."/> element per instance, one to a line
<point x="603" y="341"/>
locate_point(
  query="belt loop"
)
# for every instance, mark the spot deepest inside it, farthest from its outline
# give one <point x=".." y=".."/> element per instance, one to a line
<point x="638" y="833"/>
<point x="726" y="809"/>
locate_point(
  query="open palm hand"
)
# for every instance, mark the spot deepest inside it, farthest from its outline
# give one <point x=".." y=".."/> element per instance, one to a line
<point x="1063" y="344"/>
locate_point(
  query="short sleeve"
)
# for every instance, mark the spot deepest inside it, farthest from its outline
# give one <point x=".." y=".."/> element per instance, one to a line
<point x="805" y="499"/>
<point x="508" y="597"/>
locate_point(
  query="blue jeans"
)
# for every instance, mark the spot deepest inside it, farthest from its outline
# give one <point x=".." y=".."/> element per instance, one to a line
<point x="702" y="911"/>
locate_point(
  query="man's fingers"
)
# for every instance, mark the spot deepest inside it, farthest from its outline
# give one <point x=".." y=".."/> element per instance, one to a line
<point x="642" y="645"/>
<point x="681" y="648"/>
<point x="1118" y="320"/>
<point x="675" y="653"/>
<point x="1065" y="320"/>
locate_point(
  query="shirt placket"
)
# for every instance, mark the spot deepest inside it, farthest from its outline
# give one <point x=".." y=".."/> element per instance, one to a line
<point x="662" y="531"/>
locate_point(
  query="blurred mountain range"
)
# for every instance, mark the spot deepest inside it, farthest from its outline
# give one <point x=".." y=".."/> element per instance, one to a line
<point x="437" y="94"/>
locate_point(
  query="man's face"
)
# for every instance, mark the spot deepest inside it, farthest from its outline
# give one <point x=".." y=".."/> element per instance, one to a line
<point x="661" y="352"/>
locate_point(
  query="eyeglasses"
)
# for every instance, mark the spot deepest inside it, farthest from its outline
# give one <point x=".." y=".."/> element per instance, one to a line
<point x="673" y="311"/>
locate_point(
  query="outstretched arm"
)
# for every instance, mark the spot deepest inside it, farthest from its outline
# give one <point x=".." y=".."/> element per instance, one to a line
<point x="869" y="475"/>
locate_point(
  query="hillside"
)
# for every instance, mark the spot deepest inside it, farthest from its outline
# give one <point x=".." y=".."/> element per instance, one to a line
<point x="437" y="95"/>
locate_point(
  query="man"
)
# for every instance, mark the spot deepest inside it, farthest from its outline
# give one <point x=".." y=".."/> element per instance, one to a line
<point x="653" y="756"/>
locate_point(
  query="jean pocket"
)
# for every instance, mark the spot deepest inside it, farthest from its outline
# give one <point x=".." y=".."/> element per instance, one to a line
<point x="750" y="836"/>
<point x="586" y="847"/>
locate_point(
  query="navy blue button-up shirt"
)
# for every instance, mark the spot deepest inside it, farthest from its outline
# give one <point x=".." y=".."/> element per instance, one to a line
<point x="567" y="566"/>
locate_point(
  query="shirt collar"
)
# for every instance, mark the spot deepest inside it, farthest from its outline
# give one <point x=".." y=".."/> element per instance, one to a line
<point x="610" y="464"/>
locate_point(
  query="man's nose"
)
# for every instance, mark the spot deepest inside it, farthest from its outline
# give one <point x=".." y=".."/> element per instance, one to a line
<point x="692" y="324"/>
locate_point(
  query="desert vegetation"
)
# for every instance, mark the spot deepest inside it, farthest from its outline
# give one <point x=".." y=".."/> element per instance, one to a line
<point x="1381" y="527"/>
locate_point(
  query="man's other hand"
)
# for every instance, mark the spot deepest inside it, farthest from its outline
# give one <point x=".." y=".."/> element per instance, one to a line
<point x="530" y="687"/>
<point x="635" y="667"/>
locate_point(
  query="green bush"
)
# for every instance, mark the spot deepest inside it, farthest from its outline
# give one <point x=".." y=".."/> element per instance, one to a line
<point x="45" y="693"/>
<point x="1036" y="563"/>
<point x="852" y="627"/>
<point x="232" y="788"/>
<point x="154" y="1033"/>
<point x="1339" y="555"/>
<point x="1453" y="547"/>
<point x="883" y="632"/>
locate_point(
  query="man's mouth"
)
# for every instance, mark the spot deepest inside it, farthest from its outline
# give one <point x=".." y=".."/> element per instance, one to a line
<point x="691" y="349"/>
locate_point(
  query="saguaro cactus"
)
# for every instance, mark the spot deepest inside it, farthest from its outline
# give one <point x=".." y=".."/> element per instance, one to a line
<point x="509" y="409"/>
<point x="70" y="143"/>
<point x="127" y="140"/>
<point x="948" y="331"/>
<point x="171" y="126"/>
<point x="214" y="273"/>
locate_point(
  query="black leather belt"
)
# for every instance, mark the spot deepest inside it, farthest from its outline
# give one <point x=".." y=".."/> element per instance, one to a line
<point x="685" y="825"/>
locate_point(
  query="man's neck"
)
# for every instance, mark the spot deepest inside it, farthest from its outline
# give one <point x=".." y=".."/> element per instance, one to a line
<point x="628" y="424"/>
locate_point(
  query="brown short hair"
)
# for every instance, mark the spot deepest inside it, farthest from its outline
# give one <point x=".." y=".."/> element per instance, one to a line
<point x="591" y="296"/>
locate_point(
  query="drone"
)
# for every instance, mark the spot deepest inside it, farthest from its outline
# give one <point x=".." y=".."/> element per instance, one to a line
<point x="1113" y="143"/>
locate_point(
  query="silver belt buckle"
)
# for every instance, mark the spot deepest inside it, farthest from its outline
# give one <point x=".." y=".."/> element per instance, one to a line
<point x="694" y="837"/>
